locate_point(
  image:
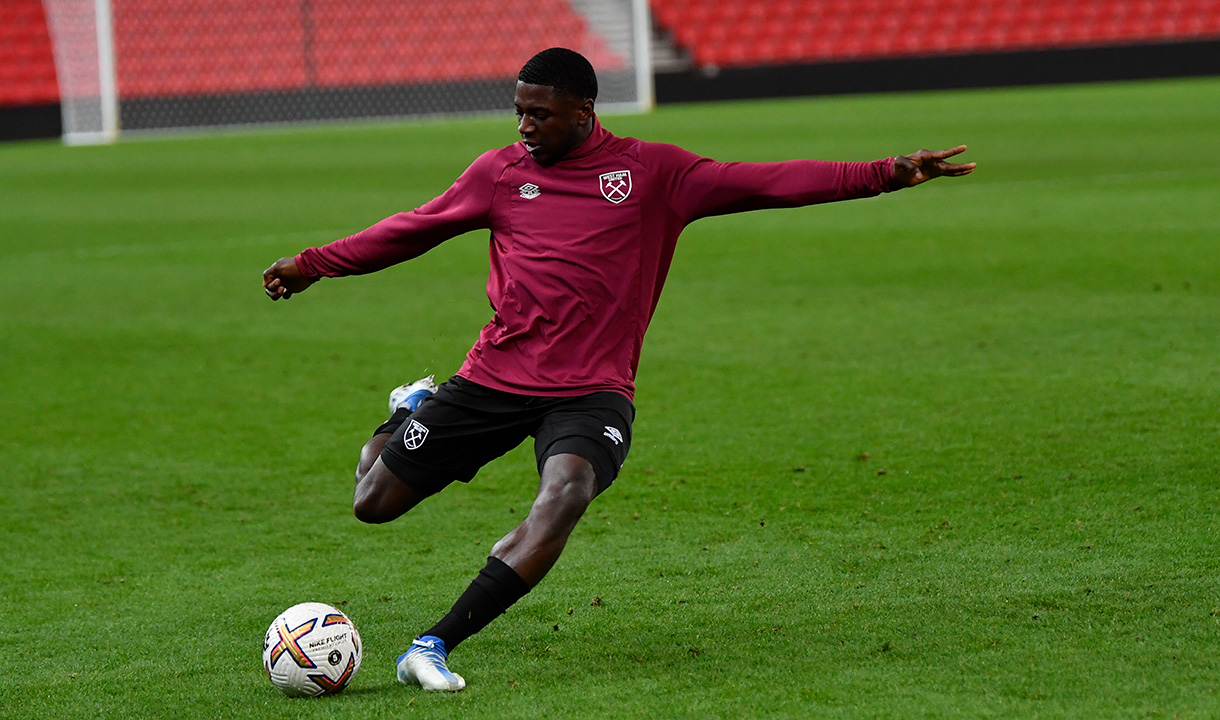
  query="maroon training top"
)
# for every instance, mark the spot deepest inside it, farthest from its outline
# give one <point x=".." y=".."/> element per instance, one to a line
<point x="580" y="249"/>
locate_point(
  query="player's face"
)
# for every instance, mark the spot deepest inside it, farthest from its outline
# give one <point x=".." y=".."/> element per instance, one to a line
<point x="551" y="124"/>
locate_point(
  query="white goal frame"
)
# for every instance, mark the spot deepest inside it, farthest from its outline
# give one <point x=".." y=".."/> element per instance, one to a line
<point x="94" y="110"/>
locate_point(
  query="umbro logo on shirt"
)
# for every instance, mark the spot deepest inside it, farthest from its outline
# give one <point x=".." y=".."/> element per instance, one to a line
<point x="615" y="187"/>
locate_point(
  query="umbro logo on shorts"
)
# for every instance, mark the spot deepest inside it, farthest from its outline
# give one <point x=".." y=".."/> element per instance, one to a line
<point x="415" y="435"/>
<point x="614" y="434"/>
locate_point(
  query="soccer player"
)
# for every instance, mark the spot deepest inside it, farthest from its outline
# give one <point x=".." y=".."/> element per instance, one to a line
<point x="583" y="228"/>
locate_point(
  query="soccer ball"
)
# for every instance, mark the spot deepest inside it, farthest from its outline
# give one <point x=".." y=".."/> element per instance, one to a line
<point x="311" y="649"/>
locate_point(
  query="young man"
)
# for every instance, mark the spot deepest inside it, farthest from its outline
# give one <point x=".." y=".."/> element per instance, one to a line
<point x="583" y="229"/>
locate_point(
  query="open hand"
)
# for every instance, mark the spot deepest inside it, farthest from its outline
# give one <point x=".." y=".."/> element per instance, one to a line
<point x="920" y="167"/>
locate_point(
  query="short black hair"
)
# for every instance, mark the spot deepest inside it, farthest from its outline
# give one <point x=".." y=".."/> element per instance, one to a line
<point x="565" y="70"/>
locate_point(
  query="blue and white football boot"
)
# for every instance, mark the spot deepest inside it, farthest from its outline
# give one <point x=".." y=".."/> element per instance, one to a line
<point x="411" y="395"/>
<point x="426" y="664"/>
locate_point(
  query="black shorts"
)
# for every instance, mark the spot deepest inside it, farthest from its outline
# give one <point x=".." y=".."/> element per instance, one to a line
<point x="465" y="425"/>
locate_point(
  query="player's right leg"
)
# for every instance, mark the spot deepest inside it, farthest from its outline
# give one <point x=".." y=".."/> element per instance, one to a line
<point x="380" y="495"/>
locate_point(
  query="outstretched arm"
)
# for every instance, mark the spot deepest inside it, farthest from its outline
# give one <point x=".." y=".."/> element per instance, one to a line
<point x="920" y="167"/>
<point x="463" y="207"/>
<point x="283" y="279"/>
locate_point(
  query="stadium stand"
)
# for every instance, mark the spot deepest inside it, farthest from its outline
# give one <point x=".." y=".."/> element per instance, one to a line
<point x="195" y="48"/>
<point x="239" y="46"/>
<point x="732" y="34"/>
<point x="27" y="67"/>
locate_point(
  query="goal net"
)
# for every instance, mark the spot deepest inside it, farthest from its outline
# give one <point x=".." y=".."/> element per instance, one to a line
<point x="127" y="66"/>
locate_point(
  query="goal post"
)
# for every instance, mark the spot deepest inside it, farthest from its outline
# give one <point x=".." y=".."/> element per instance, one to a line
<point x="82" y="42"/>
<point x="140" y="66"/>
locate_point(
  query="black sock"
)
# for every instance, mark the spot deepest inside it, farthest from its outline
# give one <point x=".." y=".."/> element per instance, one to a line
<point x="495" y="589"/>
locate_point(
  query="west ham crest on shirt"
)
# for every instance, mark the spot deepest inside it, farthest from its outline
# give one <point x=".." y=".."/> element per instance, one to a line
<point x="415" y="435"/>
<point x="616" y="186"/>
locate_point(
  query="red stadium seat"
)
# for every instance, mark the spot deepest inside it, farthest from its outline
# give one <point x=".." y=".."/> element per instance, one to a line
<point x="742" y="33"/>
<point x="239" y="46"/>
<point x="27" y="64"/>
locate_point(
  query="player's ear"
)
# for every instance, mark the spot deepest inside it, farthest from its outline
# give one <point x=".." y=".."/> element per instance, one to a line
<point x="586" y="111"/>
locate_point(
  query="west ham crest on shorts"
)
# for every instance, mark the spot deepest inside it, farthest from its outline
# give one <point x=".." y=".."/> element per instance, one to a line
<point x="616" y="186"/>
<point x="415" y="435"/>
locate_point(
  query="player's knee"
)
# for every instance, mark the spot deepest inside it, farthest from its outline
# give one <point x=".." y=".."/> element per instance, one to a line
<point x="381" y="497"/>
<point x="569" y="485"/>
<point x="572" y="500"/>
<point x="374" y="504"/>
<point x="369" y="510"/>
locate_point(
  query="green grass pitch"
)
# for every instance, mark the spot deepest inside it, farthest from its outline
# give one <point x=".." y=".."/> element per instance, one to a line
<point x="950" y="453"/>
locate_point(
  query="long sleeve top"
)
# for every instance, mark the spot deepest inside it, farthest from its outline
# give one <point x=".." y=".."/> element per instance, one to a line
<point x="579" y="250"/>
